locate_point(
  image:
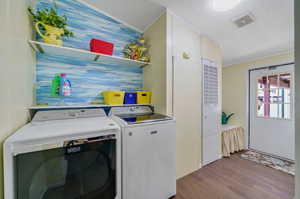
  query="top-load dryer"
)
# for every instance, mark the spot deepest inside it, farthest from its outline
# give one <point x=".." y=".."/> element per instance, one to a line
<point x="148" y="152"/>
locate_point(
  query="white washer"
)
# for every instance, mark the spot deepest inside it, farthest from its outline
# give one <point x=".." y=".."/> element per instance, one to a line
<point x="148" y="153"/>
<point x="64" y="154"/>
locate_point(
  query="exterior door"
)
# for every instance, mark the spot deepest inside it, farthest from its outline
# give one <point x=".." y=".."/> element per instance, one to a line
<point x="271" y="109"/>
<point x="210" y="115"/>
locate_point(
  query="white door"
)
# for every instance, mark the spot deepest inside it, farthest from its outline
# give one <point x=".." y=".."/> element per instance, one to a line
<point x="210" y="114"/>
<point x="271" y="120"/>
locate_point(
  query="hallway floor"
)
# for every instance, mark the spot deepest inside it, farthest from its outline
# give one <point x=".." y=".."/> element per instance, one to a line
<point x="236" y="178"/>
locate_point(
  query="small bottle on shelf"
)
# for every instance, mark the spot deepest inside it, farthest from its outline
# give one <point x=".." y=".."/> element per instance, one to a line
<point x="65" y="85"/>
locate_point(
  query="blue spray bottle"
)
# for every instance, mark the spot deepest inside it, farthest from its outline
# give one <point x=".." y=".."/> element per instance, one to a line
<point x="65" y="85"/>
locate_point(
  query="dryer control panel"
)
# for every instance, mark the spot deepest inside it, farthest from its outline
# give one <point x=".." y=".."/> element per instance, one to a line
<point x="68" y="114"/>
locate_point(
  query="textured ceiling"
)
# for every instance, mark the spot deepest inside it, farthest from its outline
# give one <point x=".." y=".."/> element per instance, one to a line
<point x="137" y="13"/>
<point x="271" y="33"/>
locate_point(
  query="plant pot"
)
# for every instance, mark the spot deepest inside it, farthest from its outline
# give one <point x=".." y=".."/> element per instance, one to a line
<point x="52" y="34"/>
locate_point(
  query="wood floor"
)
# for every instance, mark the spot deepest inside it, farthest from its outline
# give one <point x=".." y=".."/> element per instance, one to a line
<point x="236" y="178"/>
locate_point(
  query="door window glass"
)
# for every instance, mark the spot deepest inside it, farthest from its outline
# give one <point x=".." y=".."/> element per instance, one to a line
<point x="262" y="82"/>
<point x="273" y="81"/>
<point x="274" y="96"/>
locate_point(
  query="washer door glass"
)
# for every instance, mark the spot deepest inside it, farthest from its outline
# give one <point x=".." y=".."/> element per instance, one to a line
<point x="86" y="171"/>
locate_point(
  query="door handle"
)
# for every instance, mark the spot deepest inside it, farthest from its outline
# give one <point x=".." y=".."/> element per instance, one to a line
<point x="153" y="132"/>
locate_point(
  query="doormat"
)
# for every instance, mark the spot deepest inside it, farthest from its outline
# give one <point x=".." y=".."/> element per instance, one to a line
<point x="275" y="163"/>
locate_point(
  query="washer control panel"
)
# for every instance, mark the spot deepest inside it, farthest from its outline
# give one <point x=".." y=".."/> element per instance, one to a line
<point x="131" y="110"/>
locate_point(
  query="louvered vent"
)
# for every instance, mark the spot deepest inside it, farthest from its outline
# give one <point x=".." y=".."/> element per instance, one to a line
<point x="210" y="83"/>
<point x="244" y="20"/>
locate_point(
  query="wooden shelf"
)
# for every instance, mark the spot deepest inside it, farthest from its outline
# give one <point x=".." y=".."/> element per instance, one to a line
<point x="83" y="106"/>
<point x="84" y="54"/>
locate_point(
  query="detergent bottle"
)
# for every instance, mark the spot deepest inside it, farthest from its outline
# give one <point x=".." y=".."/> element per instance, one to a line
<point x="55" y="85"/>
<point x="65" y="85"/>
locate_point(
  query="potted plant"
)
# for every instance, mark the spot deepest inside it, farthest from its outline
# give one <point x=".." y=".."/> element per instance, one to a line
<point x="225" y="117"/>
<point x="50" y="26"/>
<point x="137" y="50"/>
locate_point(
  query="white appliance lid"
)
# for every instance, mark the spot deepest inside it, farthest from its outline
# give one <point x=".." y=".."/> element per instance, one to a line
<point x="143" y="118"/>
<point x="81" y="124"/>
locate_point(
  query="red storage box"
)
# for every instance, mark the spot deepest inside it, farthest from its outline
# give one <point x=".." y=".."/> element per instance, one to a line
<point x="103" y="47"/>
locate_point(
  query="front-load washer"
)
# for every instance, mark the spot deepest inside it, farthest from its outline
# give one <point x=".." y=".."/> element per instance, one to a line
<point x="64" y="154"/>
<point x="148" y="152"/>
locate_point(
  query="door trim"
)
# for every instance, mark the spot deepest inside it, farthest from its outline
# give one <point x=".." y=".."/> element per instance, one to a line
<point x="203" y="59"/>
<point x="248" y="92"/>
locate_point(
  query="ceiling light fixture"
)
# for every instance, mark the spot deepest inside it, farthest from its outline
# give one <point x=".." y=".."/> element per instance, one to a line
<point x="224" y="5"/>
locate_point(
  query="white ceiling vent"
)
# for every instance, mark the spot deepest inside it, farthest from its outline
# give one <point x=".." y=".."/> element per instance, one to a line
<point x="244" y="20"/>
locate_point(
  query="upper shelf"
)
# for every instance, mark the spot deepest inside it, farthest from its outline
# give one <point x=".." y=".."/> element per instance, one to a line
<point x="37" y="107"/>
<point x="42" y="47"/>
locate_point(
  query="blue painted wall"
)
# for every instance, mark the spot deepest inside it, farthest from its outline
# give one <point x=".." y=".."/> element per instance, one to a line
<point x="88" y="78"/>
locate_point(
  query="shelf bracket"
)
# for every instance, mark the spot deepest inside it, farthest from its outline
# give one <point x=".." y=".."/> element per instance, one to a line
<point x="40" y="49"/>
<point x="143" y="66"/>
<point x="96" y="57"/>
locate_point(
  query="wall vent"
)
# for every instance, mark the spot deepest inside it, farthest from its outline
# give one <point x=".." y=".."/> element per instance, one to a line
<point x="244" y="20"/>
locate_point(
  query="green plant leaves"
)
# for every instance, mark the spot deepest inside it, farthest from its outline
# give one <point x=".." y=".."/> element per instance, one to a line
<point x="51" y="18"/>
<point x="225" y="117"/>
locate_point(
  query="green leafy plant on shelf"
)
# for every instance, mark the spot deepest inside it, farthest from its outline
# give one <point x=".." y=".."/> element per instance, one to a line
<point x="50" y="26"/>
<point x="225" y="117"/>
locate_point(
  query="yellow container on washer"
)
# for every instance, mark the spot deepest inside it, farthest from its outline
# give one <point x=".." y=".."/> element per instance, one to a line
<point x="143" y="97"/>
<point x="113" y="97"/>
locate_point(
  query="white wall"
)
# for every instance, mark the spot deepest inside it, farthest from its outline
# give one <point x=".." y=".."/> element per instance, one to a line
<point x="188" y="91"/>
<point x="155" y="74"/>
<point x="297" y="96"/>
<point x="17" y="63"/>
<point x="176" y="82"/>
<point x="187" y="96"/>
